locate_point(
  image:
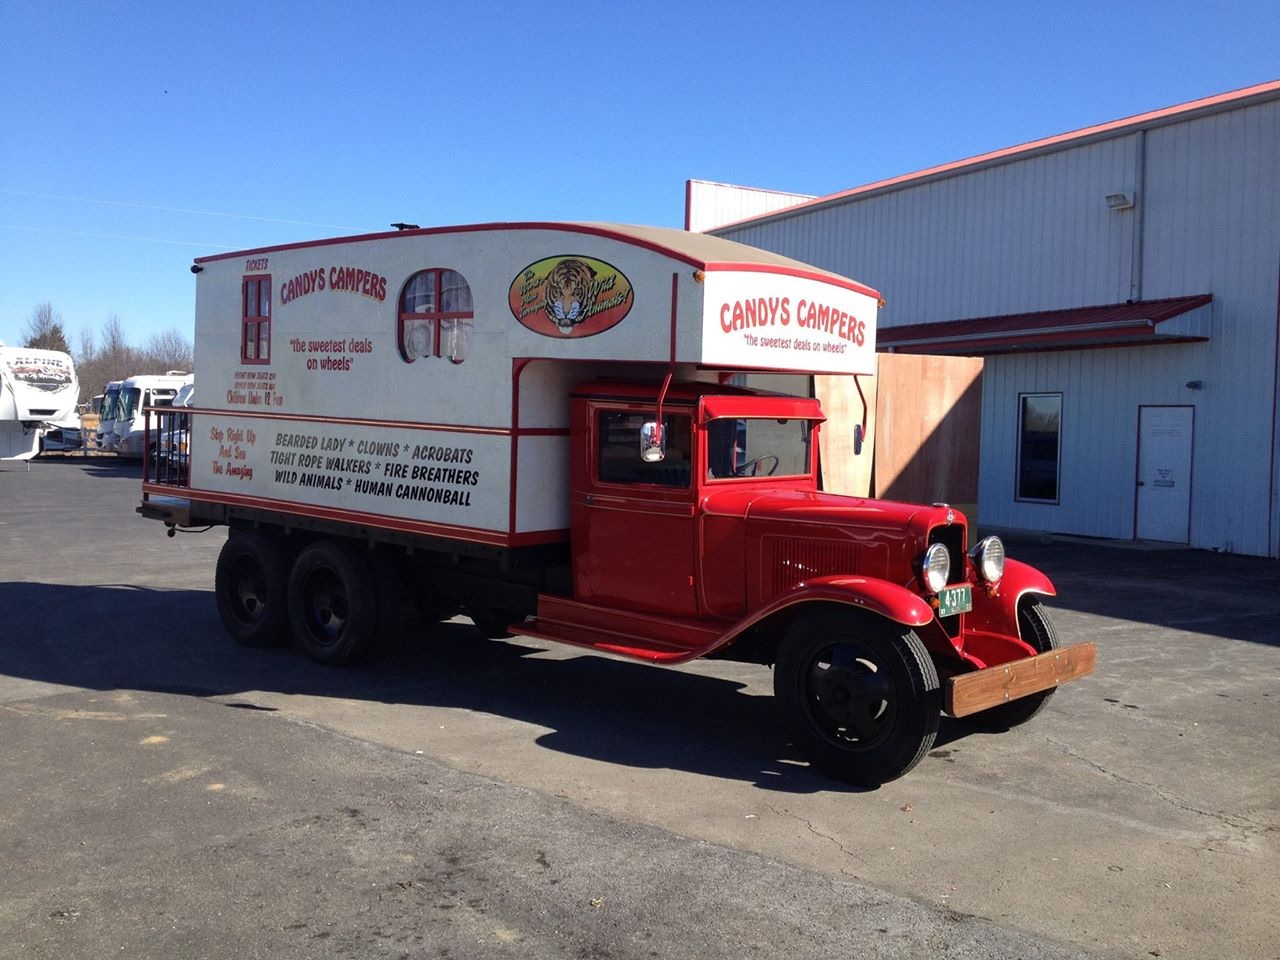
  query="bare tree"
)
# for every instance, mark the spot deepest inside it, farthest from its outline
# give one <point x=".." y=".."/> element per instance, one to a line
<point x="109" y="356"/>
<point x="88" y="351"/>
<point x="116" y="351"/>
<point x="169" y="350"/>
<point x="114" y="359"/>
<point x="44" y="330"/>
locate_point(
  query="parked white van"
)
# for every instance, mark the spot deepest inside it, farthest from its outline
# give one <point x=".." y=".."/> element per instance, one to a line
<point x="125" y="431"/>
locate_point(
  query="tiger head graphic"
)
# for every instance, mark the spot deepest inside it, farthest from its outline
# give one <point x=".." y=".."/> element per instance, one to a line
<point x="569" y="294"/>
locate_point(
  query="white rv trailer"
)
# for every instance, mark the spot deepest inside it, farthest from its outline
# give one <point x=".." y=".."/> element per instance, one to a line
<point x="125" y="432"/>
<point x="37" y="388"/>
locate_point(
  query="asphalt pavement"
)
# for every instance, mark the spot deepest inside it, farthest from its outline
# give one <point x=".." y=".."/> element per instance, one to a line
<point x="167" y="794"/>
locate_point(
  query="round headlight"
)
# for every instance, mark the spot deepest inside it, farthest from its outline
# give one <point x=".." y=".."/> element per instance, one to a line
<point x="988" y="557"/>
<point x="936" y="568"/>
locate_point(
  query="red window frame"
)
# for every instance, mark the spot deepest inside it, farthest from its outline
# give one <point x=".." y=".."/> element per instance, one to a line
<point x="435" y="317"/>
<point x="255" y="318"/>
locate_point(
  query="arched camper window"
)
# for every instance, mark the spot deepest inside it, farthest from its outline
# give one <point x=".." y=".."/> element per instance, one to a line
<point x="435" y="316"/>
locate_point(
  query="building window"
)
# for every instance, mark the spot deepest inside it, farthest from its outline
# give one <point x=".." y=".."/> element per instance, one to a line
<point x="435" y="317"/>
<point x="255" y="320"/>
<point x="1039" y="446"/>
<point x="619" y="450"/>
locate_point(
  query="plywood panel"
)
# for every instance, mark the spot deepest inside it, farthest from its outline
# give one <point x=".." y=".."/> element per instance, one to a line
<point x="844" y="470"/>
<point x="929" y="414"/>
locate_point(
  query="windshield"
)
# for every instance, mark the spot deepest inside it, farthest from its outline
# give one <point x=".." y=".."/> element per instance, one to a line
<point x="128" y="403"/>
<point x="110" y="404"/>
<point x="758" y="447"/>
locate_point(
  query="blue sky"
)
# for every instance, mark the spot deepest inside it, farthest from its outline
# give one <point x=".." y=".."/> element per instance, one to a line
<point x="136" y="136"/>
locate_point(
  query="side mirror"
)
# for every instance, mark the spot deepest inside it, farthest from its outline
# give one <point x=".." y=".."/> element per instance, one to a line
<point x="653" y="442"/>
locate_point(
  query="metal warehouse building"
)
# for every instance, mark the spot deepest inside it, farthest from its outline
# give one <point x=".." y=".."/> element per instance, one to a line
<point x="1122" y="283"/>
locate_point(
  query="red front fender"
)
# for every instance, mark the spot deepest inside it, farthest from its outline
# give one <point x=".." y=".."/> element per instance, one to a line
<point x="1020" y="578"/>
<point x="868" y="593"/>
<point x="880" y="597"/>
<point x="998" y="614"/>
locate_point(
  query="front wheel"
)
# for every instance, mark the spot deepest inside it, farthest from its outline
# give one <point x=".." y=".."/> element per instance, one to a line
<point x="1037" y="631"/>
<point x="859" y="695"/>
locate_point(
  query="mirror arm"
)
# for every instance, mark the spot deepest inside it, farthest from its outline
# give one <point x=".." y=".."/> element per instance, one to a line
<point x="860" y="431"/>
<point x="662" y="394"/>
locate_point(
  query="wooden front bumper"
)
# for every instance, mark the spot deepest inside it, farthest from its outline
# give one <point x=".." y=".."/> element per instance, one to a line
<point x="982" y="689"/>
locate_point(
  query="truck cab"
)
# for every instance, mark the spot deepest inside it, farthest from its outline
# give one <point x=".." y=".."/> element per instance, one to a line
<point x="702" y="531"/>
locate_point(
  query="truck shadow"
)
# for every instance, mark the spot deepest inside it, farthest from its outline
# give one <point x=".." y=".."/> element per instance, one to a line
<point x="595" y="707"/>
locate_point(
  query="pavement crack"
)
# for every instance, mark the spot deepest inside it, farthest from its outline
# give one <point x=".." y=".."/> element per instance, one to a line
<point x="1245" y="825"/>
<point x="817" y="833"/>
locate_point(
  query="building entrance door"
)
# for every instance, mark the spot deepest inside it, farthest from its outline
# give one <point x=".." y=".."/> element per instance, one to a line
<point x="1164" y="474"/>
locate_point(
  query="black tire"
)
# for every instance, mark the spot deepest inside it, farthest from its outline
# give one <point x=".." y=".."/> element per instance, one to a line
<point x="859" y="695"/>
<point x="250" y="586"/>
<point x="333" y="605"/>
<point x="493" y="623"/>
<point x="1037" y="631"/>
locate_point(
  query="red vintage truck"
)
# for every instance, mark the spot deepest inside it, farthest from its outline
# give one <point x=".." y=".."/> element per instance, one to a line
<point x="545" y="427"/>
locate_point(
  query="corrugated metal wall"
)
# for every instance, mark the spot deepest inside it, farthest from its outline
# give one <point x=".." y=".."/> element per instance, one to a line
<point x="1036" y="233"/>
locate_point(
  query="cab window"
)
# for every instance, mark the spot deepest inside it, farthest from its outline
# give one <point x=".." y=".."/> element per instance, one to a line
<point x="619" y="450"/>
<point x="758" y="447"/>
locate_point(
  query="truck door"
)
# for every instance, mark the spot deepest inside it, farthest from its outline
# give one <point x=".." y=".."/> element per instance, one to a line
<point x="633" y="521"/>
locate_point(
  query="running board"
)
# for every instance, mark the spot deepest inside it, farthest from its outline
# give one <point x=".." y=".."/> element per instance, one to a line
<point x="638" y="636"/>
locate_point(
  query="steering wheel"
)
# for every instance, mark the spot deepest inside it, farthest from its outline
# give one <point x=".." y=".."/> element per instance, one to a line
<point x="752" y="468"/>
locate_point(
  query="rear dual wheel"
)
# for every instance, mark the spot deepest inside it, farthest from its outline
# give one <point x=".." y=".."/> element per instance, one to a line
<point x="333" y="603"/>
<point x="859" y="695"/>
<point x="249" y="585"/>
<point x="339" y="603"/>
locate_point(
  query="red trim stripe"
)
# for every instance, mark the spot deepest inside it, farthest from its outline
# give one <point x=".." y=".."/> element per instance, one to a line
<point x="381" y="521"/>
<point x="596" y="230"/>
<point x="353" y="421"/>
<point x="782" y="270"/>
<point x="675" y="295"/>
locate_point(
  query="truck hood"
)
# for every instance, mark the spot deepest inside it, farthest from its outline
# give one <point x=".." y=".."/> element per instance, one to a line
<point x="796" y="535"/>
<point x="827" y="509"/>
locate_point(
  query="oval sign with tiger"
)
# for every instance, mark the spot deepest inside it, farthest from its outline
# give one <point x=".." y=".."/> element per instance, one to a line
<point x="570" y="296"/>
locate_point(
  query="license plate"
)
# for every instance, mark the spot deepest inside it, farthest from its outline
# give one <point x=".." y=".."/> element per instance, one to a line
<point x="954" y="600"/>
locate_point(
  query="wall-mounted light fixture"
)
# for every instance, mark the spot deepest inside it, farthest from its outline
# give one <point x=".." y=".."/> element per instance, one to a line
<point x="1120" y="201"/>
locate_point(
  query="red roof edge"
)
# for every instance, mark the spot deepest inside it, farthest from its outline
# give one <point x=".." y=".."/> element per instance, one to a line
<point x="1152" y="117"/>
